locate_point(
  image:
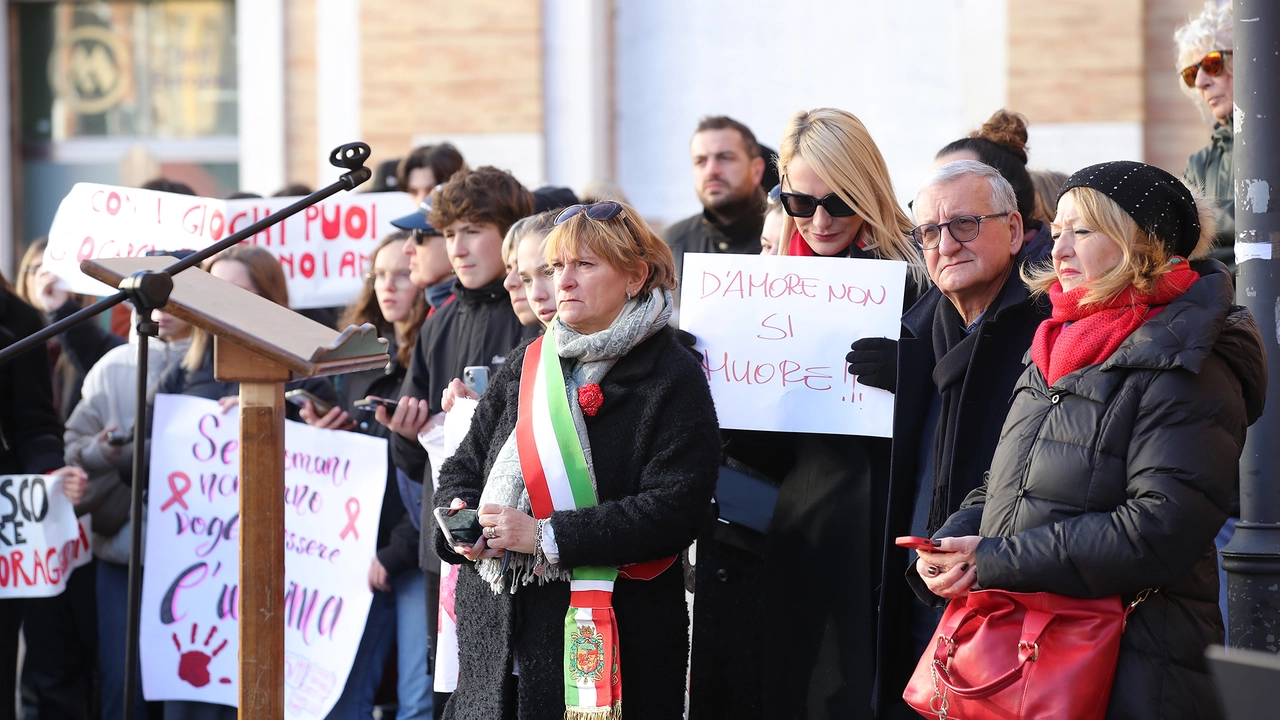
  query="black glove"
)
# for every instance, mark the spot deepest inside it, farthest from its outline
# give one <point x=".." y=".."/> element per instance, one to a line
<point x="688" y="340"/>
<point x="875" y="362"/>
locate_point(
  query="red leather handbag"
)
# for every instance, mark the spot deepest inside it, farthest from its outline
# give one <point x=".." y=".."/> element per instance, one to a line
<point x="1005" y="655"/>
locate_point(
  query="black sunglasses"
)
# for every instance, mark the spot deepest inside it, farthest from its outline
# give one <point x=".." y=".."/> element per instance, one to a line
<point x="604" y="210"/>
<point x="419" y="236"/>
<point x="801" y="205"/>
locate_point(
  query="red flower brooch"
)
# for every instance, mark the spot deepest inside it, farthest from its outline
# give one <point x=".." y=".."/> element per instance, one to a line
<point x="590" y="399"/>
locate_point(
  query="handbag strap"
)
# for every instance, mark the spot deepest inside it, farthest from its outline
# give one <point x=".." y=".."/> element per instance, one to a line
<point x="1034" y="625"/>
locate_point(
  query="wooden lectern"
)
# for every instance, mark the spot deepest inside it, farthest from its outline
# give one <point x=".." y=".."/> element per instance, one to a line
<point x="260" y="345"/>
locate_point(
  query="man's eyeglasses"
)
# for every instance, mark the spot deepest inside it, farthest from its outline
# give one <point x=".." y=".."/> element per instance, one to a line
<point x="1213" y="64"/>
<point x="963" y="228"/>
<point x="399" y="278"/>
<point x="801" y="205"/>
<point x="420" y="237"/>
<point x="604" y="210"/>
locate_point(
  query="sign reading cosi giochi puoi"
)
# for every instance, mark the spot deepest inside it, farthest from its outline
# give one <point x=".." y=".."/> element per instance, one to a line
<point x="773" y="333"/>
<point x="323" y="250"/>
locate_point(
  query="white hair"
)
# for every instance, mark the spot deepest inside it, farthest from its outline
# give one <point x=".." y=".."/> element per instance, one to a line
<point x="1003" y="199"/>
<point x="1210" y="30"/>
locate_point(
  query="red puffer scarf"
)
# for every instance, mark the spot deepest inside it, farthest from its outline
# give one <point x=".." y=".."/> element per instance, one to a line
<point x="1077" y="336"/>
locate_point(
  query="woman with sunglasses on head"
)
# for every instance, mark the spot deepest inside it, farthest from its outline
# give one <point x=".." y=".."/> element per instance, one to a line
<point x="391" y="302"/>
<point x="784" y="622"/>
<point x="1116" y="462"/>
<point x="1204" y="63"/>
<point x="591" y="460"/>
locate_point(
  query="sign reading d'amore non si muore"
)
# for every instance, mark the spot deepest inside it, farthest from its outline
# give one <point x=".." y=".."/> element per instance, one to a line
<point x="324" y="250"/>
<point x="773" y="333"/>
<point x="333" y="488"/>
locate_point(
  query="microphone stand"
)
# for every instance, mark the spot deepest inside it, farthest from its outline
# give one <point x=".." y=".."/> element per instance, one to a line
<point x="149" y="290"/>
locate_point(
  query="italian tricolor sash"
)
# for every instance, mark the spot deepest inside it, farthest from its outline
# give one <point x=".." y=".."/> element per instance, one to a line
<point x="557" y="478"/>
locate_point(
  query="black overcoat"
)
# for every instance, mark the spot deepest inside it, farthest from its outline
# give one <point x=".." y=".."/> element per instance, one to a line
<point x="1116" y="479"/>
<point x="656" y="450"/>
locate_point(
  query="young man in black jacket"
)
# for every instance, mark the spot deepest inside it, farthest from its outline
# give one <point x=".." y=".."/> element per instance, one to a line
<point x="474" y="210"/>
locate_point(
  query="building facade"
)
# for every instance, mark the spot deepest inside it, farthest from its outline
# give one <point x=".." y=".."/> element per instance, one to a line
<point x="252" y="95"/>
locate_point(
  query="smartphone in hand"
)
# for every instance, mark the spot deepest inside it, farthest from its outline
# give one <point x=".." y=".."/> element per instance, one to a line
<point x="371" y="403"/>
<point x="912" y="542"/>
<point x="461" y="528"/>
<point x="298" y="396"/>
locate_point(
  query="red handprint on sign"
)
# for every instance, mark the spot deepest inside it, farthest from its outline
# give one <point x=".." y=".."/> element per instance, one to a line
<point x="193" y="665"/>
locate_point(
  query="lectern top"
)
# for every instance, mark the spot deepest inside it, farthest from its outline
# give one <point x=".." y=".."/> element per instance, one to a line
<point x="263" y="328"/>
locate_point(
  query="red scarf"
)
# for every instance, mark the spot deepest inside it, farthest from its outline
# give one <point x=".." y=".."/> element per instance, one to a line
<point x="801" y="248"/>
<point x="1077" y="336"/>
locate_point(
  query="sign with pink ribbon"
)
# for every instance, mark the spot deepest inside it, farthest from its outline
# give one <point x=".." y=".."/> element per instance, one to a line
<point x="323" y="250"/>
<point x="334" y="482"/>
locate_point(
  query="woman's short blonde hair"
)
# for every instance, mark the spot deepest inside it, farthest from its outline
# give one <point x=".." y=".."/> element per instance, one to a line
<point x="624" y="241"/>
<point x="841" y="152"/>
<point x="1146" y="258"/>
<point x="539" y="224"/>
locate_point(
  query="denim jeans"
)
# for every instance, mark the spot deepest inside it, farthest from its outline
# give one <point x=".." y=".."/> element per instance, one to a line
<point x="113" y="609"/>
<point x="356" y="700"/>
<point x="1227" y="532"/>
<point x="414" y="688"/>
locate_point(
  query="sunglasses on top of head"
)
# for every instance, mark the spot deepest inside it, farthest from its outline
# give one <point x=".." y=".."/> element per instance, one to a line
<point x="1213" y="64"/>
<point x="804" y="206"/>
<point x="604" y="210"/>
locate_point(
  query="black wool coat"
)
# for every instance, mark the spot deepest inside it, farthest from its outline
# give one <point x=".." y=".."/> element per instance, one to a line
<point x="1117" y="478"/>
<point x="656" y="451"/>
<point x="1004" y="335"/>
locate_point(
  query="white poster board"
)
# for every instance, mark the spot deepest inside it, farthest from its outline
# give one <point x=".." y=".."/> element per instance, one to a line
<point x="334" y="483"/>
<point x="41" y="541"/>
<point x="774" y="331"/>
<point x="323" y="250"/>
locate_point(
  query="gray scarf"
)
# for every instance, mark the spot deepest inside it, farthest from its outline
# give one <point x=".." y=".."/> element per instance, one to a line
<point x="592" y="357"/>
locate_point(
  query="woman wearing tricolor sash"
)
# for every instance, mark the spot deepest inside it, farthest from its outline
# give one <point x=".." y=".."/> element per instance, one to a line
<point x="591" y="460"/>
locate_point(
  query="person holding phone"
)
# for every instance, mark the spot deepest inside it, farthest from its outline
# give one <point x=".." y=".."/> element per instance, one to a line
<point x="391" y="302"/>
<point x="99" y="438"/>
<point x="611" y="399"/>
<point x="1115" y="467"/>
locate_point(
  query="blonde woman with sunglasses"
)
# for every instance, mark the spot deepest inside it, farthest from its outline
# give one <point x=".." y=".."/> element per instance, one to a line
<point x="784" y="621"/>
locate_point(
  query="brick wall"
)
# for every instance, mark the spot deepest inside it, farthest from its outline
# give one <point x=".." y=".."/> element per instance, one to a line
<point x="440" y="66"/>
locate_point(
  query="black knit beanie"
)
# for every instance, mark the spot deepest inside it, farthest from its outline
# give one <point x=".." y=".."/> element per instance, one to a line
<point x="1159" y="202"/>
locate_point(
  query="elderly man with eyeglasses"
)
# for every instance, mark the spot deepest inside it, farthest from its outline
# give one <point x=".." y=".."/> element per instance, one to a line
<point x="958" y="360"/>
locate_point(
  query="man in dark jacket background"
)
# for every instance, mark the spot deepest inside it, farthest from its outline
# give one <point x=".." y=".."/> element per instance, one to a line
<point x="727" y="167"/>
<point x="960" y="355"/>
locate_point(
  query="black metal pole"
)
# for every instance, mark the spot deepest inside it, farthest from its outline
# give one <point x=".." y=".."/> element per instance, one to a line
<point x="1252" y="558"/>
<point x="146" y="330"/>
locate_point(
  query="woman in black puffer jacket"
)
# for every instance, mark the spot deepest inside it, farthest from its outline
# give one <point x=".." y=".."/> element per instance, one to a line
<point x="1117" y="460"/>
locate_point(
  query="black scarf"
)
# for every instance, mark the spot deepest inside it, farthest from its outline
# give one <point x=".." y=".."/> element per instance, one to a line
<point x="952" y="352"/>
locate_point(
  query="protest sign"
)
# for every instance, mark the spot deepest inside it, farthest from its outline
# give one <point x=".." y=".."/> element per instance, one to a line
<point x="334" y="483"/>
<point x="41" y="541"/>
<point x="773" y="333"/>
<point x="323" y="250"/>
